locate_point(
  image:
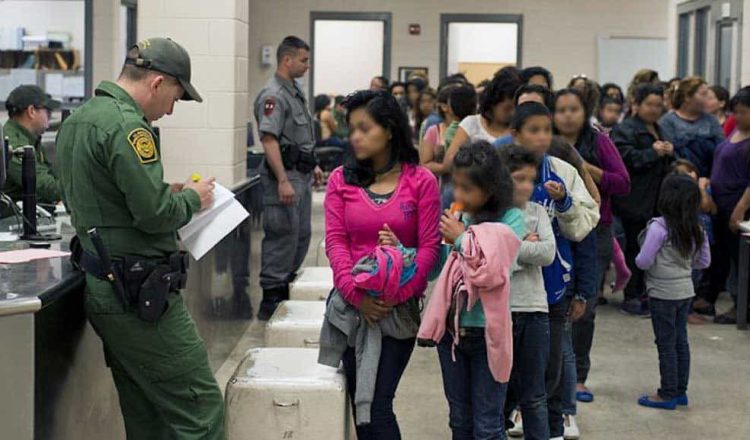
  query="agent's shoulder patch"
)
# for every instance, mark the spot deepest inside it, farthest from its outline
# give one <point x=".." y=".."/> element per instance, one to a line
<point x="269" y="104"/>
<point x="144" y="146"/>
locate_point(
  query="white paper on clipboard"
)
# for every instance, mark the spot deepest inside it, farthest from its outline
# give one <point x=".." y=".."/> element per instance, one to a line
<point x="209" y="227"/>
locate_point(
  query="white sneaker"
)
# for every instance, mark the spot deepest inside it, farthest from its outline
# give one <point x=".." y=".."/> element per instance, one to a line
<point x="556" y="438"/>
<point x="571" y="428"/>
<point x="517" y="429"/>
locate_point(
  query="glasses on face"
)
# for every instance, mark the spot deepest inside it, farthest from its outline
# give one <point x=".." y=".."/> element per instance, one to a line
<point x="48" y="111"/>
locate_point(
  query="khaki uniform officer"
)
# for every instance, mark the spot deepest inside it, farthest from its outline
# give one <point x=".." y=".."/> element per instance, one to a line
<point x="112" y="180"/>
<point x="286" y="131"/>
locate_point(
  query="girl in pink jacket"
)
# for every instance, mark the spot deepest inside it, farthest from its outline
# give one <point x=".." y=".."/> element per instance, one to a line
<point x="468" y="316"/>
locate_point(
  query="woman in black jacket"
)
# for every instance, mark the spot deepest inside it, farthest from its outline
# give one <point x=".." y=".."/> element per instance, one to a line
<point x="648" y="158"/>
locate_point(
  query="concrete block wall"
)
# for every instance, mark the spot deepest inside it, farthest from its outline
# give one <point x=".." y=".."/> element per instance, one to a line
<point x="209" y="137"/>
<point x="561" y="35"/>
<point x="745" y="76"/>
<point x="108" y="55"/>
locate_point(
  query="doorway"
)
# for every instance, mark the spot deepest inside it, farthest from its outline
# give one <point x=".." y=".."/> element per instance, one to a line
<point x="478" y="45"/>
<point x="348" y="49"/>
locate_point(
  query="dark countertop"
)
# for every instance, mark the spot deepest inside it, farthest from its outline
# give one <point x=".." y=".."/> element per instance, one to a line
<point x="28" y="287"/>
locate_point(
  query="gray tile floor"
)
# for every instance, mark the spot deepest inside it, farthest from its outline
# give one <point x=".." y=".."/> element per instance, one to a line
<point x="624" y="366"/>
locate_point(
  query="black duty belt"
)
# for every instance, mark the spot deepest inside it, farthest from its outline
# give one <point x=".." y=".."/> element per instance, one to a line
<point x="130" y="268"/>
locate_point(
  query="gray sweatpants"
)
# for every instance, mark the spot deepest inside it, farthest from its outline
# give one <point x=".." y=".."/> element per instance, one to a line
<point x="287" y="229"/>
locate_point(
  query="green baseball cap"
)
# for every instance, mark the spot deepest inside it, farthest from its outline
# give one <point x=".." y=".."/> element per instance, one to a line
<point x="166" y="56"/>
<point x="23" y="96"/>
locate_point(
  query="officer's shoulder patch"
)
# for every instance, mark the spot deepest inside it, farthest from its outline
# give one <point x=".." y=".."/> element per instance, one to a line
<point x="269" y="104"/>
<point x="144" y="146"/>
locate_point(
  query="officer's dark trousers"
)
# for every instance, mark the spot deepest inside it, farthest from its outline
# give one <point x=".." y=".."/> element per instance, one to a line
<point x="165" y="385"/>
<point x="287" y="230"/>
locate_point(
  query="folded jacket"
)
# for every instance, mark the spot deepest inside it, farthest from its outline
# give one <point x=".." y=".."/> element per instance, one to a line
<point x="384" y="270"/>
<point x="488" y="253"/>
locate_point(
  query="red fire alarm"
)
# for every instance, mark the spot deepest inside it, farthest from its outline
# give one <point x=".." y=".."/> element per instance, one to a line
<point x="415" y="29"/>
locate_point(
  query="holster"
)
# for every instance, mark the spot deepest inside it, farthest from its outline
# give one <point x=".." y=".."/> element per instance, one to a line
<point x="294" y="158"/>
<point x="147" y="282"/>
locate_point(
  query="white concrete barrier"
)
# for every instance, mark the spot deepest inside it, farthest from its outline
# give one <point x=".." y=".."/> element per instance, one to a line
<point x="296" y="324"/>
<point x="283" y="393"/>
<point x="312" y="284"/>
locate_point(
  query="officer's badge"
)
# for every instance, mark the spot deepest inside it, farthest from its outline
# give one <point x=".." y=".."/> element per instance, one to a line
<point x="268" y="106"/>
<point x="143" y="144"/>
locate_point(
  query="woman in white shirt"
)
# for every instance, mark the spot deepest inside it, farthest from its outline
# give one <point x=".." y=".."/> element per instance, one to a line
<point x="493" y="120"/>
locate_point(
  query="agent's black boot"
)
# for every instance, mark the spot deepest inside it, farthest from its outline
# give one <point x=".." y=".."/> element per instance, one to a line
<point x="271" y="300"/>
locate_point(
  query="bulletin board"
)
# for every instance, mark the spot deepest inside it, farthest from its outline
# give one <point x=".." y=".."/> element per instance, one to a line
<point x="619" y="58"/>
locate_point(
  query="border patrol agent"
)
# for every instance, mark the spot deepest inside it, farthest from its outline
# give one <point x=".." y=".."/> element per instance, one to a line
<point x="29" y="111"/>
<point x="286" y="132"/>
<point x="112" y="180"/>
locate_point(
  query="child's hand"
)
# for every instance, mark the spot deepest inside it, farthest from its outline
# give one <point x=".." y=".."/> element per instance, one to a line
<point x="532" y="237"/>
<point x="386" y="237"/>
<point x="703" y="183"/>
<point x="450" y="227"/>
<point x="556" y="190"/>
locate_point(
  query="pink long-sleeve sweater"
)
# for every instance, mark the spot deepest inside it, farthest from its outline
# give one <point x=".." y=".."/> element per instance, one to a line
<point x="353" y="221"/>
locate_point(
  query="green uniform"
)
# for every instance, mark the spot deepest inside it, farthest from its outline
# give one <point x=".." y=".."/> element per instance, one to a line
<point x="112" y="179"/>
<point x="47" y="189"/>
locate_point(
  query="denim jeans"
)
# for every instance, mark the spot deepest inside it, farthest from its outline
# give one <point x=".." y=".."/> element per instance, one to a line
<point x="527" y="384"/>
<point x="394" y="356"/>
<point x="669" y="318"/>
<point x="583" y="329"/>
<point x="557" y="316"/>
<point x="474" y="397"/>
<point x="569" y="377"/>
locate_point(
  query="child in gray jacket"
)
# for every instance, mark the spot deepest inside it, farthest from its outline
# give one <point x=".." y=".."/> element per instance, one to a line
<point x="671" y="247"/>
<point x="528" y="302"/>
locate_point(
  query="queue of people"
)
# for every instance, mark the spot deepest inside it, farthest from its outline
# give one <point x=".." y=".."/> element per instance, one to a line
<point x="516" y="200"/>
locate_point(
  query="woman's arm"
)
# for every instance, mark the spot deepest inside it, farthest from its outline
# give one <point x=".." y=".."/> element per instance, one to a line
<point x="740" y="210"/>
<point x="580" y="214"/>
<point x="428" y="235"/>
<point x="590" y="185"/>
<point x="427" y="152"/>
<point x="459" y="139"/>
<point x="635" y="159"/>
<point x="702" y="258"/>
<point x="707" y="202"/>
<point x="338" y="245"/>
<point x="614" y="178"/>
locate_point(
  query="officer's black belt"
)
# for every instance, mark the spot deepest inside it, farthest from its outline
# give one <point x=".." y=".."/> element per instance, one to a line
<point x="177" y="262"/>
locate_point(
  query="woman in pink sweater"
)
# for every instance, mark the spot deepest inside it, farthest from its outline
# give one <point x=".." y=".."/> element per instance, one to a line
<point x="381" y="192"/>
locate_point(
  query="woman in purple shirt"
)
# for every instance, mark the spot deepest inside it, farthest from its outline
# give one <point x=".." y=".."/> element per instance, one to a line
<point x="603" y="162"/>
<point x="730" y="186"/>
